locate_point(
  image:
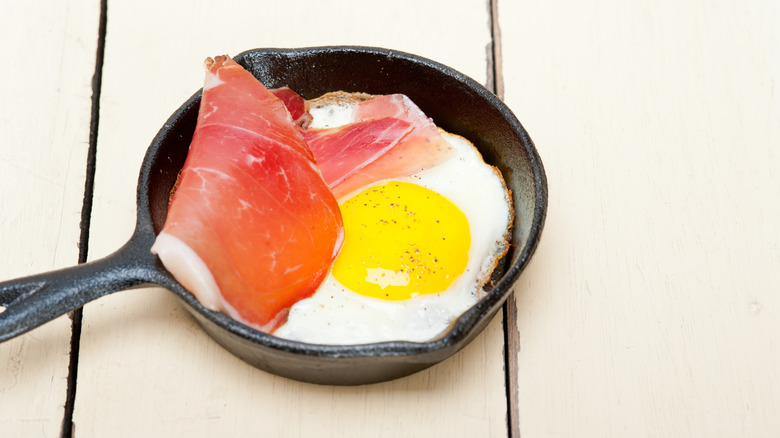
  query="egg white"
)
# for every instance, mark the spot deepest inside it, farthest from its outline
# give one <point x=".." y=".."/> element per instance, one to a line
<point x="338" y="316"/>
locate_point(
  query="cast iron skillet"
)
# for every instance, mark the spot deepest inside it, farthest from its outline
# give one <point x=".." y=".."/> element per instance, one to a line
<point x="455" y="102"/>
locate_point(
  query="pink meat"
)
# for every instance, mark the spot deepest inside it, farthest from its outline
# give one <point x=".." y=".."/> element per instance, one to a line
<point x="421" y="149"/>
<point x="342" y="151"/>
<point x="296" y="105"/>
<point x="252" y="227"/>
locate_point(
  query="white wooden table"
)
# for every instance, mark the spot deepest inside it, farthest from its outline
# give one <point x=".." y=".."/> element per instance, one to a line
<point x="650" y="309"/>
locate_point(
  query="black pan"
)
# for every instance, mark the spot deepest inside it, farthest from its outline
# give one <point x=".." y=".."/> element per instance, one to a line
<point x="455" y="102"/>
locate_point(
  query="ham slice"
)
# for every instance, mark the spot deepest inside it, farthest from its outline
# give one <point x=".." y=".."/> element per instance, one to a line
<point x="389" y="137"/>
<point x="342" y="151"/>
<point x="418" y="150"/>
<point x="252" y="227"/>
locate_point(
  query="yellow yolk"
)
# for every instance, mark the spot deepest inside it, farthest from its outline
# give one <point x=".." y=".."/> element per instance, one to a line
<point x="401" y="240"/>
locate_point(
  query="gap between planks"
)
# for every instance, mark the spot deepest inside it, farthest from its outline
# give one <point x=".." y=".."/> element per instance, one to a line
<point x="495" y="83"/>
<point x="86" y="211"/>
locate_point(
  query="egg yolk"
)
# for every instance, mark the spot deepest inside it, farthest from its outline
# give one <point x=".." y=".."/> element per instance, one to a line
<point x="401" y="240"/>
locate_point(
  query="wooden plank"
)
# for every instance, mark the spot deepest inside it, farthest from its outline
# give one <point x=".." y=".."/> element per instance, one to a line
<point x="651" y="307"/>
<point x="44" y="124"/>
<point x="146" y="368"/>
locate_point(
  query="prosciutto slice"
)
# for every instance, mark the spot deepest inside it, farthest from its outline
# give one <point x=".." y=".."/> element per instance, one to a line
<point x="420" y="149"/>
<point x="252" y="227"/>
<point x="342" y="151"/>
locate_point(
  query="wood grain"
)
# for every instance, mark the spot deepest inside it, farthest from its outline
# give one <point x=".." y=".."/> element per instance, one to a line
<point x="651" y="308"/>
<point x="44" y="127"/>
<point x="146" y="369"/>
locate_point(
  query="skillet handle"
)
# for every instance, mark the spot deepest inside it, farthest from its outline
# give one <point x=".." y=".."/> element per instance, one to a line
<point x="32" y="301"/>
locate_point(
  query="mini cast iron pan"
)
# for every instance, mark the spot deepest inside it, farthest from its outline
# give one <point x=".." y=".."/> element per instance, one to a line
<point x="455" y="102"/>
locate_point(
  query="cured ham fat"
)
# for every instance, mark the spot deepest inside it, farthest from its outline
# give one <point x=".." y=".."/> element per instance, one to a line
<point x="252" y="227"/>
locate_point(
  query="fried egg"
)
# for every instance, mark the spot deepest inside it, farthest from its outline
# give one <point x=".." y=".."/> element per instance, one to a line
<point x="417" y="251"/>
